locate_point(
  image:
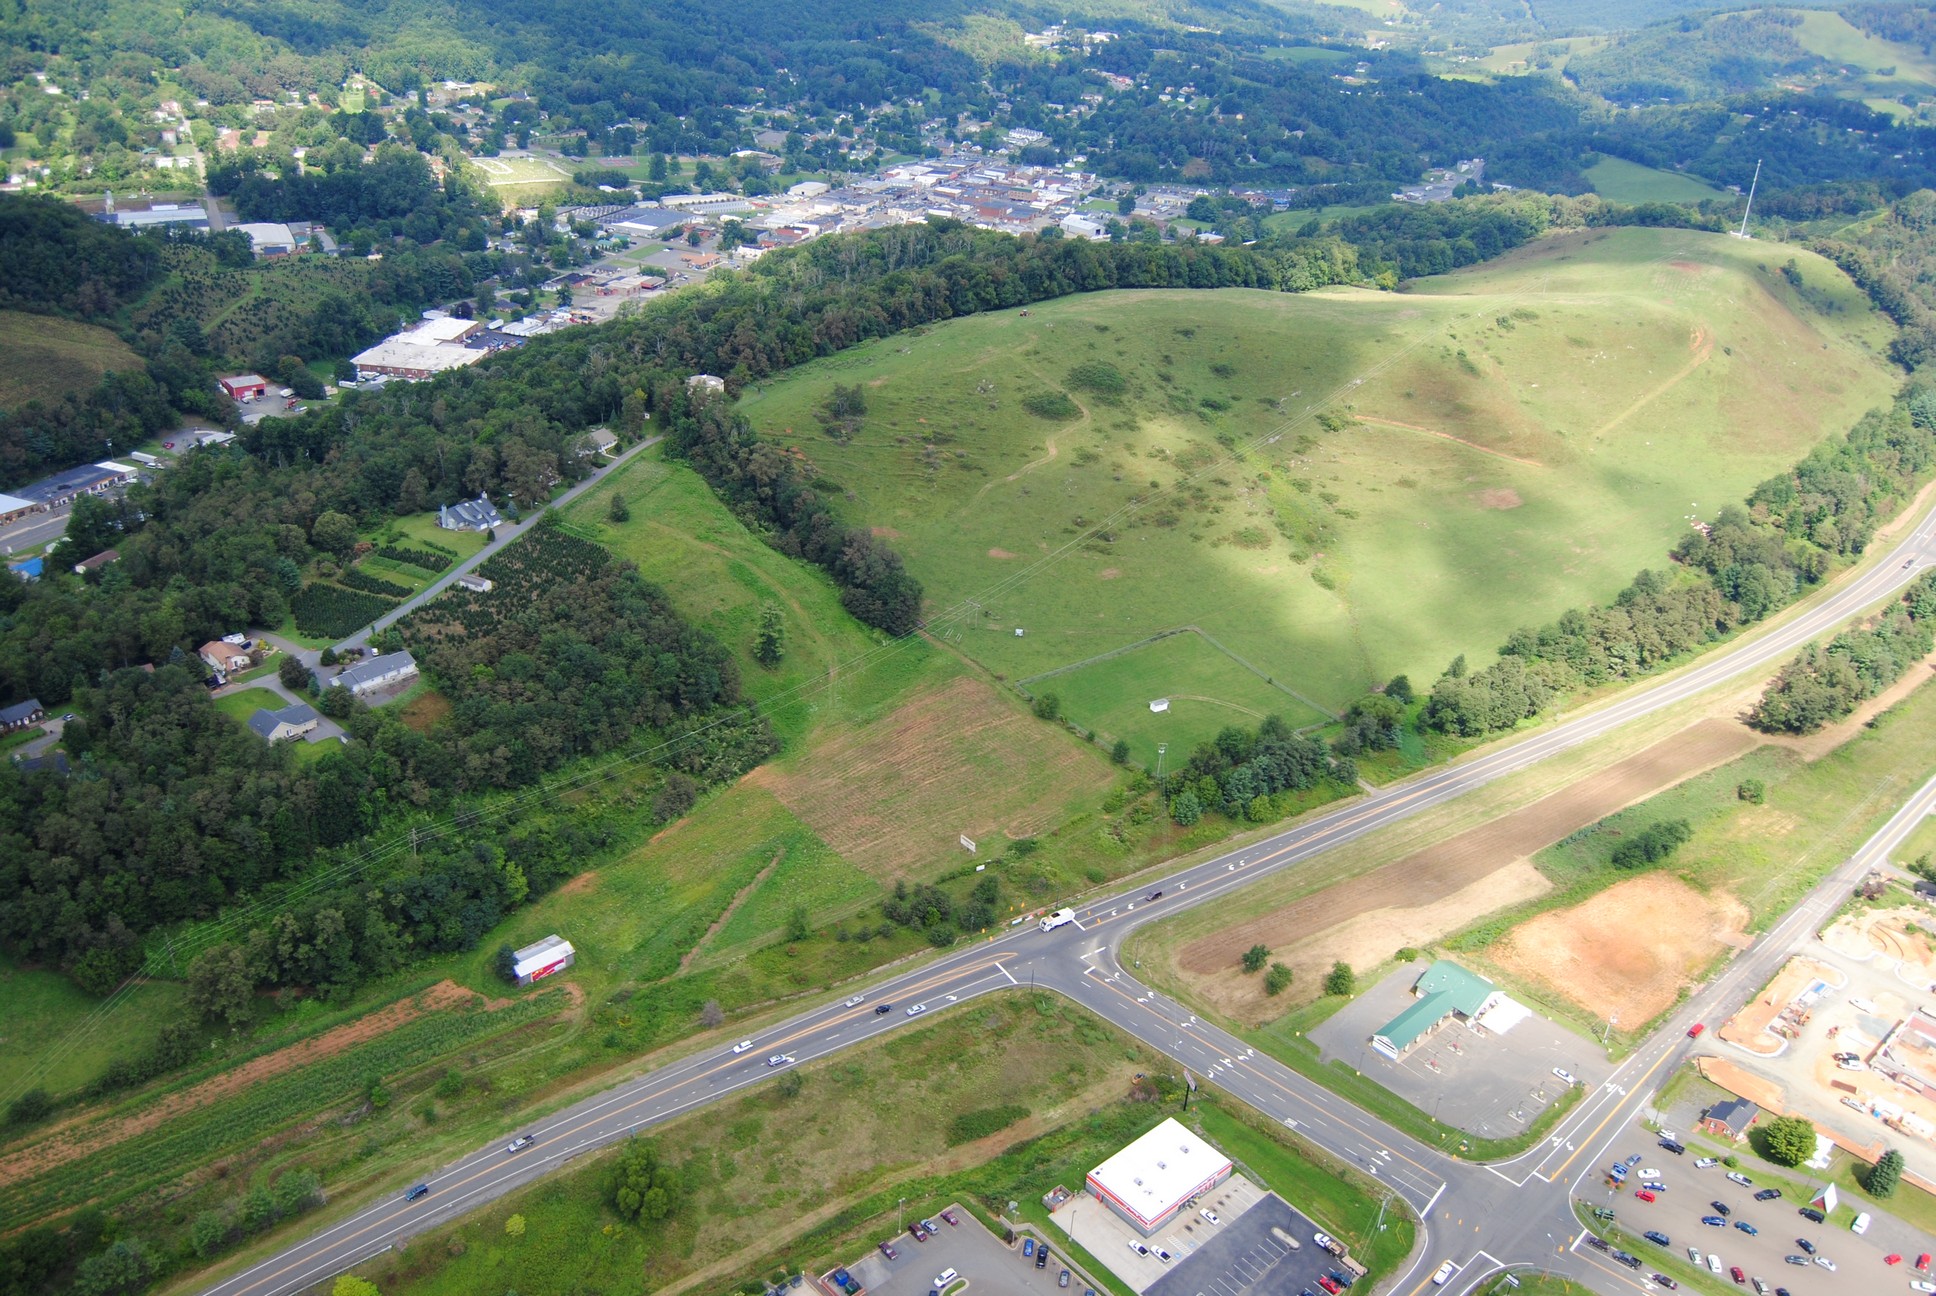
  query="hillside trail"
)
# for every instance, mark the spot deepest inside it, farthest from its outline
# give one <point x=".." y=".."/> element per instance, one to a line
<point x="1701" y="343"/>
<point x="1048" y="442"/>
<point x="745" y="893"/>
<point x="1447" y="436"/>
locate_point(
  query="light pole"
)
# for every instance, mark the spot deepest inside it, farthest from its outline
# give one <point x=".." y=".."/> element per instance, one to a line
<point x="899" y="1222"/>
<point x="1612" y="1021"/>
<point x="1160" y="749"/>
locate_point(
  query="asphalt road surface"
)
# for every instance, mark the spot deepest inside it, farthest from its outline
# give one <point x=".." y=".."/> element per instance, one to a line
<point x="1483" y="1218"/>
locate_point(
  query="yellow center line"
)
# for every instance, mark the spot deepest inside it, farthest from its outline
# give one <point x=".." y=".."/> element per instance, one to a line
<point x="651" y="1096"/>
<point x="1633" y="1091"/>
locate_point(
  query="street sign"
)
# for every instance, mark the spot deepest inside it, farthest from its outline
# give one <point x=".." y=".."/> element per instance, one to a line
<point x="968" y="843"/>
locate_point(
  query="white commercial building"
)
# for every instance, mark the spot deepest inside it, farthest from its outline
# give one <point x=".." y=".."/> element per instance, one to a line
<point x="535" y="962"/>
<point x="1152" y="1179"/>
<point x="428" y="349"/>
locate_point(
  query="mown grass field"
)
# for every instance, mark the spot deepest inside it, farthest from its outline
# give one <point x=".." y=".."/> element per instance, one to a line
<point x="865" y="1131"/>
<point x="1836" y="39"/>
<point x="39" y="1006"/>
<point x="518" y="181"/>
<point x="1207" y="690"/>
<point x="1505" y="442"/>
<point x="48" y="357"/>
<point x="1629" y="182"/>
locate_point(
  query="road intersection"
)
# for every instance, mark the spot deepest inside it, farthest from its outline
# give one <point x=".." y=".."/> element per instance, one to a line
<point x="1484" y="1218"/>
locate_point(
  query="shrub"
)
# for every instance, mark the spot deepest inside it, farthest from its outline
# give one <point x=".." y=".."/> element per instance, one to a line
<point x="1788" y="1140"/>
<point x="1753" y="791"/>
<point x="1052" y="405"/>
<point x="361" y="580"/>
<point x="1340" y="980"/>
<point x="1652" y="844"/>
<point x="1100" y="377"/>
<point x="1047" y="707"/>
<point x="1186" y="808"/>
<point x="1120" y="752"/>
<point x="506" y="963"/>
<point x="34" y="1105"/>
<point x="1277" y="979"/>
<point x="1255" y="957"/>
<point x="1884" y="1175"/>
<point x="972" y="1125"/>
<point x="424" y="558"/>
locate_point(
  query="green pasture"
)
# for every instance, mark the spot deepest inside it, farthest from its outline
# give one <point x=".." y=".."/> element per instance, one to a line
<point x="1496" y="446"/>
<point x="1629" y="182"/>
<point x="1207" y="688"/>
<point x="49" y="357"/>
<point x="1920" y="842"/>
<point x="1307" y="54"/>
<point x="42" y="1010"/>
<point x="1835" y="38"/>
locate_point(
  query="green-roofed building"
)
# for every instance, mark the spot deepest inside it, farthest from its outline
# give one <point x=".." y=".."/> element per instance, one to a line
<point x="1443" y="990"/>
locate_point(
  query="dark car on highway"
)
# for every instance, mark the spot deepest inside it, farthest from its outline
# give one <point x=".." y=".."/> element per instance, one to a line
<point x="419" y="1191"/>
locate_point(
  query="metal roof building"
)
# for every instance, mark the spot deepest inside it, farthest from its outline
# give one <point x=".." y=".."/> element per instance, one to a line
<point x="1445" y="989"/>
<point x="1152" y="1179"/>
<point x="540" y="960"/>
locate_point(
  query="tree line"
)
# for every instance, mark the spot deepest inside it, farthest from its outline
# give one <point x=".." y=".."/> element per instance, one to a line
<point x="1821" y="685"/>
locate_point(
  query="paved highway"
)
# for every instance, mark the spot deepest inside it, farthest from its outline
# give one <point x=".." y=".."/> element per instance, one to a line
<point x="1482" y="1217"/>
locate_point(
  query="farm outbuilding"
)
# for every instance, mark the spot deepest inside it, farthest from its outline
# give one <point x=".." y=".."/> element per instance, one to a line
<point x="540" y="960"/>
<point x="243" y="386"/>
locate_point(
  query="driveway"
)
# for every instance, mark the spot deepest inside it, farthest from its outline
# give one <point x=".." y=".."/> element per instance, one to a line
<point x="506" y="533"/>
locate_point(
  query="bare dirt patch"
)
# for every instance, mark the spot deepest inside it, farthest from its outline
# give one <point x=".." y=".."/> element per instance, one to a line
<point x="80" y="1136"/>
<point x="1749" y="1027"/>
<point x="885" y="533"/>
<point x="1501" y="497"/>
<point x="586" y="881"/>
<point x="1109" y="573"/>
<point x="1002" y="553"/>
<point x="893" y="796"/>
<point x="1628" y="951"/>
<point x="1689" y="267"/>
<point x="425" y="711"/>
<point x="1447" y="872"/>
<point x="1886" y="931"/>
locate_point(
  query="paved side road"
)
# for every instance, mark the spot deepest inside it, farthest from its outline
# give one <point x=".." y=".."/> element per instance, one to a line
<point x="1481" y="1218"/>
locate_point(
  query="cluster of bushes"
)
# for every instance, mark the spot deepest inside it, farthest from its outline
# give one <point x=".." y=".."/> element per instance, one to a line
<point x="641" y="1187"/>
<point x="1652" y="844"/>
<point x="1821" y="685"/>
<point x="362" y="581"/>
<point x="216" y="1230"/>
<point x="424" y="558"/>
<point x="969" y="1126"/>
<point x="938" y="915"/>
<point x="1749" y="563"/>
<point x="1238" y="772"/>
<point x="332" y="612"/>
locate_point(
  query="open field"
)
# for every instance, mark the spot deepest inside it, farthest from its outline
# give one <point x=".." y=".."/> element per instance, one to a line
<point x="38" y="1007"/>
<point x="48" y="357"/>
<point x="1625" y="954"/>
<point x="1543" y="425"/>
<point x="892" y="797"/>
<point x="1418" y="900"/>
<point x="519" y="181"/>
<point x="865" y="1131"/>
<point x="1629" y="182"/>
<point x="1112" y="696"/>
<point x="1834" y="38"/>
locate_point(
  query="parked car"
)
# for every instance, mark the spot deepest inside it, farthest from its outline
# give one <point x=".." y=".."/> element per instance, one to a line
<point x="1812" y="1215"/>
<point x="1825" y="1263"/>
<point x="946" y="1276"/>
<point x="417" y="1192"/>
<point x="1721" y="1208"/>
<point x="1892" y="1259"/>
<point x="1210" y="1216"/>
<point x="1703" y="1163"/>
<point x="1329" y="1285"/>
<point x="1138" y="1247"/>
<point x="1653" y="1185"/>
<point x="887" y="1249"/>
<point x="1747" y="1228"/>
<point x="1644" y="1194"/>
<point x="1650" y="1174"/>
<point x="1632" y="1161"/>
<point x="1922" y="1261"/>
<point x="1063" y="1281"/>
<point x="914" y="1231"/>
<point x="1761" y="1288"/>
<point x="1768" y="1194"/>
<point x="1672" y="1146"/>
<point x="1805" y="1245"/>
<point x="1161" y="1254"/>
<point x="950" y="1218"/>
<point x="1714" y="1221"/>
<point x="1735" y="1273"/>
<point x="929" y="1227"/>
<point x="1918" y="1285"/>
<point x="1860" y="1224"/>
<point x="1028" y="1248"/>
<point x="1340" y="1277"/>
<point x="1041" y="1257"/>
<point x="1565" y="1076"/>
<point x="1800" y="1260"/>
<point x="1657" y="1238"/>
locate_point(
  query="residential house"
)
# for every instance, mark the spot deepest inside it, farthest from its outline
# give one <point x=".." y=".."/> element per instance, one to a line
<point x="599" y="441"/>
<point x="706" y="384"/>
<point x="376" y="672"/>
<point x="21" y="715"/>
<point x="97" y="562"/>
<point x="225" y="657"/>
<point x="479" y="584"/>
<point x="1730" y="1119"/>
<point x="292" y="721"/>
<point x="469" y="515"/>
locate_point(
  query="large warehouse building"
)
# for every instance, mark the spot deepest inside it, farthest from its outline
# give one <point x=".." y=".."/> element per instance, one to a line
<point x="1155" y="1177"/>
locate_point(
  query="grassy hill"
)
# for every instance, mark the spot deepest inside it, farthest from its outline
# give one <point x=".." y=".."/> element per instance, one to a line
<point x="49" y="357"/>
<point x="1481" y="452"/>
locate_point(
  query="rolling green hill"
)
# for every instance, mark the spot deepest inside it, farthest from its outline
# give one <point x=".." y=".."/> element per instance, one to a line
<point x="49" y="357"/>
<point x="1482" y="452"/>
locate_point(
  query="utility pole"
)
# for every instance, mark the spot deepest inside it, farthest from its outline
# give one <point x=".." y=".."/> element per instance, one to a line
<point x="1160" y="749"/>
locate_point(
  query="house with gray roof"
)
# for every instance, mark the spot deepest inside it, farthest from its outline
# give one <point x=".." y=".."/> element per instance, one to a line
<point x="22" y="715"/>
<point x="469" y="515"/>
<point x="375" y="673"/>
<point x="292" y="721"/>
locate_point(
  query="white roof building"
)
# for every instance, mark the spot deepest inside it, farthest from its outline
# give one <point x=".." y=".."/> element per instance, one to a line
<point x="1152" y="1179"/>
<point x="422" y="351"/>
<point x="552" y="954"/>
<point x="267" y="237"/>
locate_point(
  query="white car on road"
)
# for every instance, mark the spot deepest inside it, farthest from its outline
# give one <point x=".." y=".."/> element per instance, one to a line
<point x="1445" y="1272"/>
<point x="1566" y="1077"/>
<point x="779" y="1059"/>
<point x="855" y="1002"/>
<point x="742" y="1047"/>
<point x="917" y="1010"/>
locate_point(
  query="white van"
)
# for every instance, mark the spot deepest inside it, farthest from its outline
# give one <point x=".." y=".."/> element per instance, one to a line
<point x="946" y="1276"/>
<point x="1860" y="1224"/>
<point x="1058" y="918"/>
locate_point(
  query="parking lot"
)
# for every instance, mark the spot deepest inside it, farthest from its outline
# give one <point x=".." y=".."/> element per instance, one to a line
<point x="1485" y="1084"/>
<point x="1690" y="1195"/>
<point x="988" y="1264"/>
